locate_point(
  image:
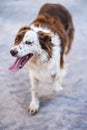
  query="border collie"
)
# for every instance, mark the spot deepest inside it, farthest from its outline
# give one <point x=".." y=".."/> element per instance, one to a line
<point x="42" y="46"/>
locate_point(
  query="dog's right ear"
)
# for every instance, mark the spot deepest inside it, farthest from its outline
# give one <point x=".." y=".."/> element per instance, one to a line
<point x="20" y="34"/>
<point x="24" y="28"/>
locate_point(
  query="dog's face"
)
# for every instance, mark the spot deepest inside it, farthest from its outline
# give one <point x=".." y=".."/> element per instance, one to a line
<point x="29" y="43"/>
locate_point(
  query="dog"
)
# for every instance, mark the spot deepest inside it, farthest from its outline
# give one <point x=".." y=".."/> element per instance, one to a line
<point x="42" y="46"/>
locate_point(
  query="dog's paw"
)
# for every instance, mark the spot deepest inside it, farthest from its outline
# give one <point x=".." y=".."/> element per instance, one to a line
<point x="57" y="88"/>
<point x="33" y="108"/>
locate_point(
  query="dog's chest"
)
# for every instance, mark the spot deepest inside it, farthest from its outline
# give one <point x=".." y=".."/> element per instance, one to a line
<point x="45" y="72"/>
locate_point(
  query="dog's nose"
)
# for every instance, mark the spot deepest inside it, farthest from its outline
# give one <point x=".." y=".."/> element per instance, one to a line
<point x="13" y="52"/>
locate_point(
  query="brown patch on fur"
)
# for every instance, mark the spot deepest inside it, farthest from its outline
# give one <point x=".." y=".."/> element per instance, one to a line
<point x="71" y="37"/>
<point x="45" y="42"/>
<point x="20" y="35"/>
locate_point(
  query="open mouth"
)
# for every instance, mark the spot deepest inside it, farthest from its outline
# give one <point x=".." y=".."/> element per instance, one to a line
<point x="20" y="62"/>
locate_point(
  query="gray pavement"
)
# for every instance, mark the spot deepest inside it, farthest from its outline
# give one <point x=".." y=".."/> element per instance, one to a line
<point x="68" y="109"/>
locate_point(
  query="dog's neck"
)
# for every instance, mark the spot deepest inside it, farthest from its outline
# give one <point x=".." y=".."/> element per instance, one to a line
<point x="40" y="28"/>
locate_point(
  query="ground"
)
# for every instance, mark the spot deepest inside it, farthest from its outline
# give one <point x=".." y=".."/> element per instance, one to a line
<point x="68" y="109"/>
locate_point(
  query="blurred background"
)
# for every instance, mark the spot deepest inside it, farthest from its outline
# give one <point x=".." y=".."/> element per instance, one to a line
<point x="68" y="109"/>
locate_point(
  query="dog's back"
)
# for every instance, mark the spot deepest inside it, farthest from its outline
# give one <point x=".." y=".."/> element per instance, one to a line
<point x="61" y="14"/>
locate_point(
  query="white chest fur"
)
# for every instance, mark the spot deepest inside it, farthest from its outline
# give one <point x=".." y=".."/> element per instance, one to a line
<point x="44" y="70"/>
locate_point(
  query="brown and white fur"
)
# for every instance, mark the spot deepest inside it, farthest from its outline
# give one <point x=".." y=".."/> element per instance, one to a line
<point x="49" y="38"/>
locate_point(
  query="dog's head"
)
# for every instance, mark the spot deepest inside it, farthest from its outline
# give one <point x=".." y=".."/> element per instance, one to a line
<point x="28" y="44"/>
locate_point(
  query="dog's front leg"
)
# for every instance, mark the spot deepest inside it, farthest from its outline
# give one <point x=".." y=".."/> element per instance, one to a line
<point x="35" y="104"/>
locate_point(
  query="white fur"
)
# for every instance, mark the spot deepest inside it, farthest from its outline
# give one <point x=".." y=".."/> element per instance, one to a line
<point x="40" y="68"/>
<point x="36" y="29"/>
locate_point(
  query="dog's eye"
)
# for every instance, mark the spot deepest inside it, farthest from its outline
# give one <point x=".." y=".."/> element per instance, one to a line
<point x="27" y="42"/>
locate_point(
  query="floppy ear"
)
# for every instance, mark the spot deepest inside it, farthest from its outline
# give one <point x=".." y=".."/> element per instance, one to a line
<point x="45" y="37"/>
<point x="45" y="42"/>
<point x="20" y="34"/>
<point x="24" y="28"/>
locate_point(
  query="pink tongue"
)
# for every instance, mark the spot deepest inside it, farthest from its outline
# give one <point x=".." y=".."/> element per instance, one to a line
<point x="20" y="62"/>
<point x="16" y="66"/>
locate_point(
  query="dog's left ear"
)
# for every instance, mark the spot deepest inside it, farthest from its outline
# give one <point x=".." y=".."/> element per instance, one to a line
<point x="45" y="42"/>
<point x="45" y="37"/>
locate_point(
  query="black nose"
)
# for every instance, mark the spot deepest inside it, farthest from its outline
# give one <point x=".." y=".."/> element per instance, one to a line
<point x="14" y="52"/>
